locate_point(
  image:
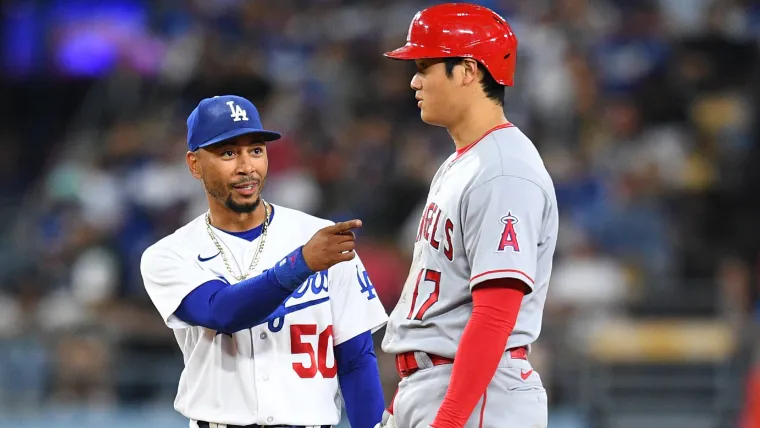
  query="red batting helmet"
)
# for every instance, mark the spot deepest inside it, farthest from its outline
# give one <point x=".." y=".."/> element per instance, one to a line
<point x="462" y="30"/>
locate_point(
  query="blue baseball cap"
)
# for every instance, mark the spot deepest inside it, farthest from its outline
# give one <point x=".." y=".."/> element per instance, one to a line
<point x="223" y="117"/>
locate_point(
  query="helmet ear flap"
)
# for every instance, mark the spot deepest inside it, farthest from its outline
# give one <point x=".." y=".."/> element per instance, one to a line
<point x="509" y="67"/>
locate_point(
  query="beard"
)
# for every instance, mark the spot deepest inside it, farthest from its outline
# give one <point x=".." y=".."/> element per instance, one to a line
<point x="242" y="208"/>
<point x="221" y="192"/>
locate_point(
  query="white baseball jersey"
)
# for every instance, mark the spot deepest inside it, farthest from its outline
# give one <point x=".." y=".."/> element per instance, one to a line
<point x="491" y="213"/>
<point x="282" y="371"/>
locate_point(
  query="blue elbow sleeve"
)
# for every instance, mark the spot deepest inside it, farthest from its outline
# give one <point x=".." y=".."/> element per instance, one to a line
<point x="218" y="306"/>
<point x="196" y="309"/>
<point x="359" y="379"/>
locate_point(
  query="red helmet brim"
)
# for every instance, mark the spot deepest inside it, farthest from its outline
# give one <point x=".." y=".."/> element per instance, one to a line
<point x="412" y="51"/>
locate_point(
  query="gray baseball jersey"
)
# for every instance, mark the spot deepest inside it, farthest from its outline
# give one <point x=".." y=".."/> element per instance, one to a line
<point x="491" y="213"/>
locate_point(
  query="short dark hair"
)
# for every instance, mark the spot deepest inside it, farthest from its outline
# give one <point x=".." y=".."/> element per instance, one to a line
<point x="493" y="89"/>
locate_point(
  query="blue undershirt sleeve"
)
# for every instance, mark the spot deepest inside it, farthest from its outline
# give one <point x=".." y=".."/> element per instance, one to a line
<point x="231" y="308"/>
<point x="359" y="379"/>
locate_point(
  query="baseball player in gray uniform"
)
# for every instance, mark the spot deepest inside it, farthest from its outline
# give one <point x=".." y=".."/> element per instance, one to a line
<point x="473" y="302"/>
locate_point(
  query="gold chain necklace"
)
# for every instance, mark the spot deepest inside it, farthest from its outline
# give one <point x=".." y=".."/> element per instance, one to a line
<point x="256" y="256"/>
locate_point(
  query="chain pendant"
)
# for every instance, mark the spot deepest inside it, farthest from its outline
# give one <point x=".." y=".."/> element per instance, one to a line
<point x="256" y="256"/>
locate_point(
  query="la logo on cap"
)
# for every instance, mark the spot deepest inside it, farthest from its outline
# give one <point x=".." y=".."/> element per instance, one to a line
<point x="237" y="112"/>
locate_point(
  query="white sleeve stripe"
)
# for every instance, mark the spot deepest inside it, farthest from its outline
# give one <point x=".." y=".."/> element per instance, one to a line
<point x="503" y="271"/>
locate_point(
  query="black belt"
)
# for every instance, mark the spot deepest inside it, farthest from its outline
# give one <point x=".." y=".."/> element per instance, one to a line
<point x="204" y="424"/>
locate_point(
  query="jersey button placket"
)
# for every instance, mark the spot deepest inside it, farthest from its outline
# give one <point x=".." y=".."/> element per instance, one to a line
<point x="265" y="363"/>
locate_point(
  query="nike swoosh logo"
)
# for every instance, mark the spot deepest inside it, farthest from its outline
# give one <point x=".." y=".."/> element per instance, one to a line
<point x="205" y="259"/>
<point x="525" y="375"/>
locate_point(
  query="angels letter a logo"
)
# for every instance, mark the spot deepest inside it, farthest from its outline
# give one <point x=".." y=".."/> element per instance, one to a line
<point x="508" y="234"/>
<point x="237" y="112"/>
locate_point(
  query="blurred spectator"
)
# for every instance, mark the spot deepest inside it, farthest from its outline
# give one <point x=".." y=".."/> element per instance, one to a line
<point x="588" y="287"/>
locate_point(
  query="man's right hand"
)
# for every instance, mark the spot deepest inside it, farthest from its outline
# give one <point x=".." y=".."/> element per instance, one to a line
<point x="331" y="245"/>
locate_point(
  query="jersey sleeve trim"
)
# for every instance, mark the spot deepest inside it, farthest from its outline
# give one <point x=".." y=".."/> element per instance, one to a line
<point x="502" y="273"/>
<point x="174" y="322"/>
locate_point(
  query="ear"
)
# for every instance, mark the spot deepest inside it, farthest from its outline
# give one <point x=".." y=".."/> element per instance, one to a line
<point x="470" y="69"/>
<point x="191" y="158"/>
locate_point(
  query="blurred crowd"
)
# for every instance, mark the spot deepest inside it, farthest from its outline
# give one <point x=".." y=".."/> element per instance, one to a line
<point x="646" y="114"/>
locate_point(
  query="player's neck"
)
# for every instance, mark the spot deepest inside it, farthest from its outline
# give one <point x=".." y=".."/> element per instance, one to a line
<point x="225" y="219"/>
<point x="475" y="123"/>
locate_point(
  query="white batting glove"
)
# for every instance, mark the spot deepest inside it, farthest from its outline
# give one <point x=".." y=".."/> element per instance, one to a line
<point x="387" y="422"/>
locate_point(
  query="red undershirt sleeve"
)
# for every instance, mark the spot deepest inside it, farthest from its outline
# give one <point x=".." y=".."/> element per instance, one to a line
<point x="495" y="306"/>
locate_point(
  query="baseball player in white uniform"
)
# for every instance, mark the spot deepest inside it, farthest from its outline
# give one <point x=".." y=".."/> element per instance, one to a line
<point x="271" y="307"/>
<point x="473" y="302"/>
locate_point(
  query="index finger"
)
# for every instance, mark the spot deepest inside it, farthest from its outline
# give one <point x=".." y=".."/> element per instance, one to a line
<point x="344" y="226"/>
